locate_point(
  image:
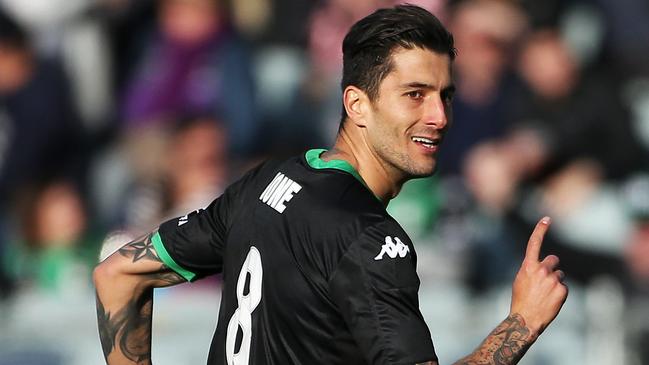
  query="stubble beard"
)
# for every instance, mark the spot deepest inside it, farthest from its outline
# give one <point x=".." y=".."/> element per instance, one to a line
<point x="403" y="164"/>
<point x="399" y="161"/>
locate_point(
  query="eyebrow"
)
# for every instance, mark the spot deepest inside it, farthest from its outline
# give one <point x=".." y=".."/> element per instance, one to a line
<point x="420" y="85"/>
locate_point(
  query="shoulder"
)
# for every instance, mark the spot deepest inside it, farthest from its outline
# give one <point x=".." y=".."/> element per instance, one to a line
<point x="383" y="253"/>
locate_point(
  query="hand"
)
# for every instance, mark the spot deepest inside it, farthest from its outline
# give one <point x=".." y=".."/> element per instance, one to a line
<point x="538" y="292"/>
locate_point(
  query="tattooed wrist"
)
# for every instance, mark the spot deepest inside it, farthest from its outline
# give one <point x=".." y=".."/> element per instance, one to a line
<point x="505" y="345"/>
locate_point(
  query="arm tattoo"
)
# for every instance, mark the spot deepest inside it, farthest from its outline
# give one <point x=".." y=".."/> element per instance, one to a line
<point x="505" y="345"/>
<point x="141" y="249"/>
<point x="129" y="328"/>
<point x="168" y="277"/>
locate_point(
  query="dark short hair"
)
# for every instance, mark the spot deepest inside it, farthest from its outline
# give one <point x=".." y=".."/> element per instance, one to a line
<point x="369" y="44"/>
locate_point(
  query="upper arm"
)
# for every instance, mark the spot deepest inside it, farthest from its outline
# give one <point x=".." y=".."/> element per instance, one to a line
<point x="191" y="246"/>
<point x="194" y="245"/>
<point x="138" y="261"/>
<point x="375" y="287"/>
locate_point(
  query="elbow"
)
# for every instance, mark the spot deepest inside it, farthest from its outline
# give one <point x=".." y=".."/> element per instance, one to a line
<point x="103" y="273"/>
<point x="116" y="275"/>
<point x="110" y="273"/>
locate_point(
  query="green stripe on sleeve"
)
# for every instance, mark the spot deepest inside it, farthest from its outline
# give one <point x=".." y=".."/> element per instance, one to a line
<point x="167" y="260"/>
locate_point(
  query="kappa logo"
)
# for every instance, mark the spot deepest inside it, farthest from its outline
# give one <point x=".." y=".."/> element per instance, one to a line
<point x="393" y="248"/>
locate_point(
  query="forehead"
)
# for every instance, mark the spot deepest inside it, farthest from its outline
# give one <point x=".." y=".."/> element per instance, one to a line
<point x="420" y="66"/>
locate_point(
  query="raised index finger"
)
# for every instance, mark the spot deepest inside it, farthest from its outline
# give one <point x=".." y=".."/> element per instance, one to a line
<point x="536" y="239"/>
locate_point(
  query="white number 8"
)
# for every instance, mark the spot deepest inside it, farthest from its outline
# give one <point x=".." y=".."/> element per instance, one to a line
<point x="242" y="317"/>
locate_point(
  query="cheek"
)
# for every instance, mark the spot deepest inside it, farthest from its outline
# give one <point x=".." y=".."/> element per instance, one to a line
<point x="387" y="127"/>
<point x="400" y="114"/>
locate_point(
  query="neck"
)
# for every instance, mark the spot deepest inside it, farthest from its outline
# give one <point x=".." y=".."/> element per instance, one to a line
<point x="384" y="181"/>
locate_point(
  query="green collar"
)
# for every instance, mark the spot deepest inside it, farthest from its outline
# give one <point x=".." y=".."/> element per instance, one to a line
<point x="314" y="160"/>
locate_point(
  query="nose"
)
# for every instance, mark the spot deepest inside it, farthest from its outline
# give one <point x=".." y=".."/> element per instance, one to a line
<point x="435" y="113"/>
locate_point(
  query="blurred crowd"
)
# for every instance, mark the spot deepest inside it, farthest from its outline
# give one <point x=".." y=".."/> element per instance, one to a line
<point x="118" y="114"/>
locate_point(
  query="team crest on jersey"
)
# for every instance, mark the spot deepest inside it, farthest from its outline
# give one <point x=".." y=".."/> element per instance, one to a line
<point x="393" y="247"/>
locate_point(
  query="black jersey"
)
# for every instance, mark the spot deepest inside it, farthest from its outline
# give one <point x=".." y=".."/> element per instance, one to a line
<point x="315" y="271"/>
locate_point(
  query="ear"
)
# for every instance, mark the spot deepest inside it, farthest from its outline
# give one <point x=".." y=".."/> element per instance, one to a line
<point x="355" y="100"/>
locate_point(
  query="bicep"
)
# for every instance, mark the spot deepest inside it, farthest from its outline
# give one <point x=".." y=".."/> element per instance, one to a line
<point x="140" y="261"/>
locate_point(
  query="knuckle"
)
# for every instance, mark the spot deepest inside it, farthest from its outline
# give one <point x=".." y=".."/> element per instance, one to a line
<point x="544" y="270"/>
<point x="553" y="258"/>
<point x="563" y="290"/>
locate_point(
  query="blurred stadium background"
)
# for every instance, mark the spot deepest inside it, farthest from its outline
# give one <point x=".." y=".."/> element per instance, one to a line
<point x="118" y="114"/>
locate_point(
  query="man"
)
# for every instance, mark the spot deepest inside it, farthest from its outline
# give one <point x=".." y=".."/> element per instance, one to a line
<point x="315" y="271"/>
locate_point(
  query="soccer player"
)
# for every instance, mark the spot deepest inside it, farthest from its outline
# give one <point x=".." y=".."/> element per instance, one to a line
<point x="315" y="271"/>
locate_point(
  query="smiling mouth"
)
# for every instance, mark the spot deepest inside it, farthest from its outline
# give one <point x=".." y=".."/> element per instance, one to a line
<point x="430" y="143"/>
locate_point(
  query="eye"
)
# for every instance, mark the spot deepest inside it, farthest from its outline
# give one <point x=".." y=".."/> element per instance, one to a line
<point x="447" y="97"/>
<point x="416" y="94"/>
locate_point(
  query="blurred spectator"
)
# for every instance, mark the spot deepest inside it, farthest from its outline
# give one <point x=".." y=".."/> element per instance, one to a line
<point x="329" y="24"/>
<point x="562" y="158"/>
<point x="194" y="63"/>
<point x="71" y="31"/>
<point x="320" y="89"/>
<point x="40" y="134"/>
<point x="486" y="33"/>
<point x="53" y="250"/>
<point x="279" y="30"/>
<point x="557" y="110"/>
<point x="275" y="22"/>
<point x="556" y="128"/>
<point x="195" y="171"/>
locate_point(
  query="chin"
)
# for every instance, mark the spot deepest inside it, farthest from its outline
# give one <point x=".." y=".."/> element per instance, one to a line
<point x="423" y="174"/>
<point x="412" y="166"/>
<point x="421" y="171"/>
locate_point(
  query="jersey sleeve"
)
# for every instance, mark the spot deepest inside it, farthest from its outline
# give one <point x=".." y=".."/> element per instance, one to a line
<point x="375" y="286"/>
<point x="193" y="245"/>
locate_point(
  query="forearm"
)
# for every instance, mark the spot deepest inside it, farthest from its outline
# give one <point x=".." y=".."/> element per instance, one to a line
<point x="124" y="284"/>
<point x="505" y="345"/>
<point x="124" y="320"/>
<point x="538" y="293"/>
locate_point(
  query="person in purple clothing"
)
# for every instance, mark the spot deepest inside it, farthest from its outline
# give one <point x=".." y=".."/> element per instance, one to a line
<point x="193" y="63"/>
